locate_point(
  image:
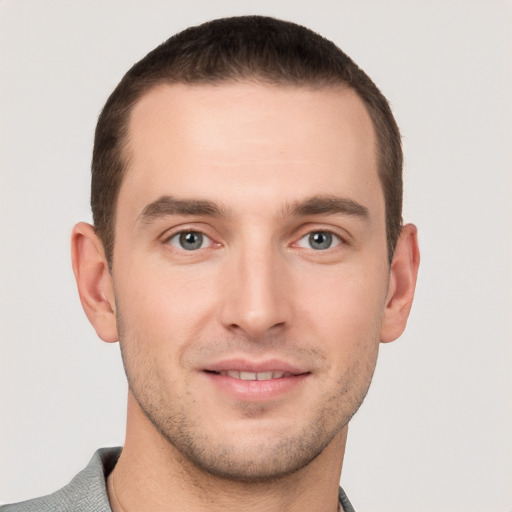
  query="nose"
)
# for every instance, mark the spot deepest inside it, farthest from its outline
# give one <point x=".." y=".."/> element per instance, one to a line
<point x="256" y="293"/>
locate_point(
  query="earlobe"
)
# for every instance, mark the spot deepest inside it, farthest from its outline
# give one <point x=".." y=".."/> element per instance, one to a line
<point x="94" y="281"/>
<point x="402" y="283"/>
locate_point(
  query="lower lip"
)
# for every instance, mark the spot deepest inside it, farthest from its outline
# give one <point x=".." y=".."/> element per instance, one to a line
<point x="256" y="390"/>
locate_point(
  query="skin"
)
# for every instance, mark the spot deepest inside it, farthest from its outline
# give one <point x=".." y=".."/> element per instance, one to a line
<point x="256" y="169"/>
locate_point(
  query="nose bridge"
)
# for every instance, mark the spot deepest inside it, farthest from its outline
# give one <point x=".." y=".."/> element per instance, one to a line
<point x="255" y="300"/>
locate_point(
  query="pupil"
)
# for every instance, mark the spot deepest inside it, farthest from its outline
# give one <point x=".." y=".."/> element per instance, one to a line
<point x="320" y="240"/>
<point x="191" y="240"/>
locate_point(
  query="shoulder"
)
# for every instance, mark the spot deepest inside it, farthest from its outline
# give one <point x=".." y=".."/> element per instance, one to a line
<point x="85" y="493"/>
<point x="344" y="502"/>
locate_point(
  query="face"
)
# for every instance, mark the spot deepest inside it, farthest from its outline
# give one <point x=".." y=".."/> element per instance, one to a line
<point x="250" y="271"/>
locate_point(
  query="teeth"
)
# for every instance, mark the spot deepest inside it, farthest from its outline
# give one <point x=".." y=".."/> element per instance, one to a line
<point x="264" y="376"/>
<point x="235" y="374"/>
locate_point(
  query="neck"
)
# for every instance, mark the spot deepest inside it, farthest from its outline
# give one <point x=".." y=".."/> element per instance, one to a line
<point x="151" y="475"/>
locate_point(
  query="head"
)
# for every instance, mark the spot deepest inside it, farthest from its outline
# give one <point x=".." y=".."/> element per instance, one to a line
<point x="251" y="48"/>
<point x="247" y="250"/>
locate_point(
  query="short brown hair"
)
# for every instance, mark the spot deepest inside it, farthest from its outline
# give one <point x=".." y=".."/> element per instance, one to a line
<point x="239" y="49"/>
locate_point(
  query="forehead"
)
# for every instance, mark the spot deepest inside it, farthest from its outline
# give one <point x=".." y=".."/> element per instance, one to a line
<point x="238" y="140"/>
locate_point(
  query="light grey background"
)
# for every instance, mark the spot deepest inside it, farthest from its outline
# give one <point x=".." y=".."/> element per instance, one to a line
<point x="435" y="433"/>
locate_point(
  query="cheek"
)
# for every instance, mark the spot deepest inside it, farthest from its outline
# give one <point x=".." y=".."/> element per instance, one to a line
<point x="163" y="309"/>
<point x="347" y="310"/>
<point x="360" y="285"/>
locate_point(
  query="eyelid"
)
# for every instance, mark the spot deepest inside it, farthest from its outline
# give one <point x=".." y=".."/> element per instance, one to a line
<point x="337" y="240"/>
<point x="171" y="233"/>
<point x="205" y="242"/>
<point x="306" y="230"/>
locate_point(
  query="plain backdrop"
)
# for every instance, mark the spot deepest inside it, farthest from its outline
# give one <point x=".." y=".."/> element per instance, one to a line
<point x="435" y="433"/>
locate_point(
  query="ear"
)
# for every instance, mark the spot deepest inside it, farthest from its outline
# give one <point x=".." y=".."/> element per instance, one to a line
<point x="94" y="281"/>
<point x="402" y="282"/>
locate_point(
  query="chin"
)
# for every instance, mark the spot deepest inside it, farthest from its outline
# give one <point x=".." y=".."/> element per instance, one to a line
<point x="266" y="451"/>
<point x="251" y="464"/>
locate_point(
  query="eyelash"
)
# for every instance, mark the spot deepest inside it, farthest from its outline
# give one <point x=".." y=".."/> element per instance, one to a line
<point x="333" y="241"/>
<point x="332" y="238"/>
<point x="179" y="236"/>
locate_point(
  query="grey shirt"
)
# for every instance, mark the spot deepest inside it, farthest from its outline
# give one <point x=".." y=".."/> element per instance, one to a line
<point x="87" y="492"/>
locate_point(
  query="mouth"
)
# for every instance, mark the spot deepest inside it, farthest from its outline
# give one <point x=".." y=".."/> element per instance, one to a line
<point x="251" y="381"/>
<point x="245" y="375"/>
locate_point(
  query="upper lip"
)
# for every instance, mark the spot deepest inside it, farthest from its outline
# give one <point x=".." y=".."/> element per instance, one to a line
<point x="244" y="365"/>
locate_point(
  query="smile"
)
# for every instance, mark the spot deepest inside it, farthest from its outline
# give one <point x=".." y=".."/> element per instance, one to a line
<point x="251" y="381"/>
<point x="244" y="375"/>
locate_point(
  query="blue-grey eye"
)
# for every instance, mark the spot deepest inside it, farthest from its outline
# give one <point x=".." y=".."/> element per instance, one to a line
<point x="189" y="240"/>
<point x="319" y="240"/>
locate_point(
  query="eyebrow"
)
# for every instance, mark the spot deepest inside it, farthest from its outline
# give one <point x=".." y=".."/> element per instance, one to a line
<point x="327" y="204"/>
<point x="316" y="205"/>
<point x="168" y="205"/>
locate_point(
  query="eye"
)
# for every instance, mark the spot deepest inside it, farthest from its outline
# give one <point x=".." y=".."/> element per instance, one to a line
<point x="190" y="240"/>
<point x="319" y="240"/>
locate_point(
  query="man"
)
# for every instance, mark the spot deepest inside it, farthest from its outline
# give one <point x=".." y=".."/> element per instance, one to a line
<point x="248" y="253"/>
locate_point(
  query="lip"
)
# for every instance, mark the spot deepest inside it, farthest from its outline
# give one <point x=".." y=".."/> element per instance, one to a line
<point x="255" y="390"/>
<point x="244" y="365"/>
